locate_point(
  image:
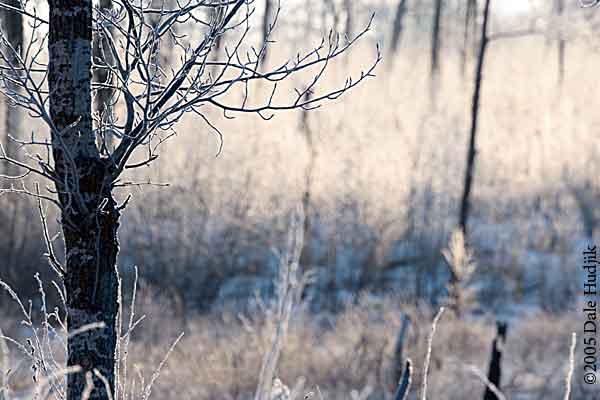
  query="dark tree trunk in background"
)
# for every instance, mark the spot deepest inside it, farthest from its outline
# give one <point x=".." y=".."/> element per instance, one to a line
<point x="218" y="46"/>
<point x="330" y="8"/>
<point x="12" y="24"/>
<point x="435" y="49"/>
<point x="162" y="55"/>
<point x="217" y="13"/>
<point x="306" y="255"/>
<point x="399" y="350"/>
<point x="495" y="368"/>
<point x="561" y="45"/>
<point x="103" y="56"/>
<point x="266" y="28"/>
<point x="472" y="150"/>
<point x="398" y="26"/>
<point x="89" y="214"/>
<point x="468" y="32"/>
<point x="404" y="383"/>
<point x="349" y="29"/>
<point x="308" y="27"/>
<point x="435" y="38"/>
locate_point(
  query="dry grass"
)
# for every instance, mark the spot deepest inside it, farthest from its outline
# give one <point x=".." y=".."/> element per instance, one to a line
<point x="220" y="356"/>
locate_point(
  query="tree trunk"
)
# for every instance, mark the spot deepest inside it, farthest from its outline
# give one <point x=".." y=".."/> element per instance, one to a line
<point x="305" y="254"/>
<point x="329" y="7"/>
<point x="398" y="26"/>
<point x="405" y="382"/>
<point x="217" y="47"/>
<point x="12" y="24"/>
<point x="266" y="29"/>
<point x="349" y="31"/>
<point x="217" y="13"/>
<point x="398" y="362"/>
<point x="92" y="291"/>
<point x="468" y="32"/>
<point x="470" y="168"/>
<point x="435" y="50"/>
<point x="103" y="57"/>
<point x="495" y="367"/>
<point x="89" y="214"/>
<point x="561" y="46"/>
<point x="435" y="38"/>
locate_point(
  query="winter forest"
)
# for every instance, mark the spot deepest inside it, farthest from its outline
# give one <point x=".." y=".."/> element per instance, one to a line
<point x="299" y="199"/>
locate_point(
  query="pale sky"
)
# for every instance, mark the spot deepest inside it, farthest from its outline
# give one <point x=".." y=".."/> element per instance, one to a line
<point x="511" y="6"/>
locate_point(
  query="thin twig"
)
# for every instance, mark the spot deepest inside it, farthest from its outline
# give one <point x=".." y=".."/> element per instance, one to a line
<point x="569" y="378"/>
<point x="428" y="355"/>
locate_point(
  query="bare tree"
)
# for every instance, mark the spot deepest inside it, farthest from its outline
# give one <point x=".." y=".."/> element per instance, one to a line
<point x="305" y="255"/>
<point x="470" y="165"/>
<point x="468" y="32"/>
<point x="349" y="9"/>
<point x="12" y="26"/>
<point x="329" y="7"/>
<point x="266" y="28"/>
<point x="398" y="26"/>
<point x="85" y="172"/>
<point x="559" y="6"/>
<point x="434" y="67"/>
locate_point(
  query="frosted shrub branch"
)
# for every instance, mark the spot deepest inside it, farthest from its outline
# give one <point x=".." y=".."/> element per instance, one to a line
<point x="148" y="99"/>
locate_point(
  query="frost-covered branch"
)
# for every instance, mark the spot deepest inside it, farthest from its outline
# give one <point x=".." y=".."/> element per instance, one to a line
<point x="147" y="99"/>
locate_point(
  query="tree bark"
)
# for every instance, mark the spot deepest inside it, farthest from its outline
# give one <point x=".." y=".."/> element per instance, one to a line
<point x="89" y="215"/>
<point x="398" y="26"/>
<point x="92" y="291"/>
<point x="470" y="167"/>
<point x="468" y="32"/>
<point x="435" y="38"/>
<point x="435" y="52"/>
<point x="103" y="57"/>
<point x="266" y="29"/>
<point x="405" y="382"/>
<point x="12" y="24"/>
<point x="495" y="367"/>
